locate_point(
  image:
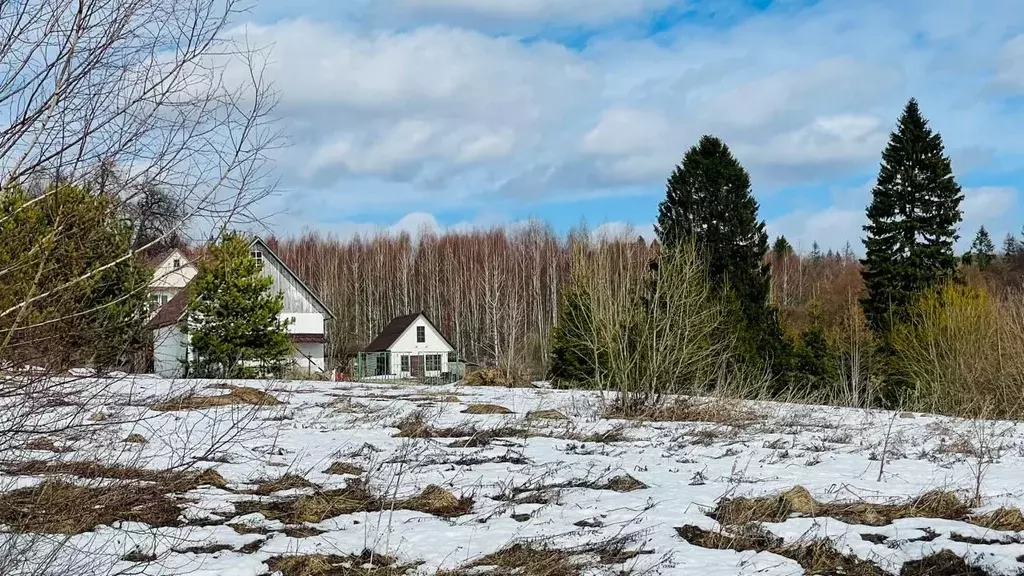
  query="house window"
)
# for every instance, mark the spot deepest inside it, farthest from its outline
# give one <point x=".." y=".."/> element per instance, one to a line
<point x="158" y="300"/>
<point x="177" y="263"/>
<point x="258" y="256"/>
<point x="433" y="363"/>
<point x="383" y="364"/>
<point x="452" y="357"/>
<point x="421" y="334"/>
<point x="405" y="363"/>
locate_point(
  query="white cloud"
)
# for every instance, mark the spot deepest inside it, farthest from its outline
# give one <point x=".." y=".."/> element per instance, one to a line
<point x="578" y="11"/>
<point x="987" y="202"/>
<point x="1011" y="63"/>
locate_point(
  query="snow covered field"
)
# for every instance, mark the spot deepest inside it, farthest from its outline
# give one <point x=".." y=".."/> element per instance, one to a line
<point x="540" y="466"/>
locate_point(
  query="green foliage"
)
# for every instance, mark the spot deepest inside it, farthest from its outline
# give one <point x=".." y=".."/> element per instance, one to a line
<point x="782" y="247"/>
<point x="913" y="215"/>
<point x="709" y="202"/>
<point x="234" y="317"/>
<point x="961" y="352"/>
<point x="574" y="358"/>
<point x="73" y="291"/>
<point x="983" y="251"/>
<point x="815" y="361"/>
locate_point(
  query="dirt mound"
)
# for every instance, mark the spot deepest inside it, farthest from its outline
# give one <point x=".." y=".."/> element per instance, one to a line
<point x="237" y="395"/>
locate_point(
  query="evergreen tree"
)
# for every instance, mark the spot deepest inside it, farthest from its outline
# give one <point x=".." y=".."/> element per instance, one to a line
<point x="782" y="248"/>
<point x="982" y="249"/>
<point x="709" y="202"/>
<point x="1010" y="244"/>
<point x="914" y="211"/>
<point x="68" y="272"/>
<point x="815" y="252"/>
<point x="234" y="318"/>
<point x="575" y="356"/>
<point x="815" y="365"/>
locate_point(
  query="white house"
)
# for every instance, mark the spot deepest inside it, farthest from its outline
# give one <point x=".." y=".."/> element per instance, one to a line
<point x="408" y="347"/>
<point x="302" y="306"/>
<point x="172" y="271"/>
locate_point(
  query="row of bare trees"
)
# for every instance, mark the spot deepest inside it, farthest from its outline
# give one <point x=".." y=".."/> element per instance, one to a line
<point x="493" y="293"/>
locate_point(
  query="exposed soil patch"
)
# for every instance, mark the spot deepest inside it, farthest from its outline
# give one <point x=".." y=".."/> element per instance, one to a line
<point x="934" y="504"/>
<point x="237" y="395"/>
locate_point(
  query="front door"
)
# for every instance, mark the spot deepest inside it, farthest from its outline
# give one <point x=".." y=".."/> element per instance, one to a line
<point x="416" y="366"/>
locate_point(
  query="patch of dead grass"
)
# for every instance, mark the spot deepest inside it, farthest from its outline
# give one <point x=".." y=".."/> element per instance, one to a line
<point x="723" y="412"/>
<point x="942" y="563"/>
<point x="486" y="409"/>
<point x="546" y="415"/>
<point x="416" y="425"/>
<point x="624" y="483"/>
<point x="135" y="439"/>
<point x="169" y="480"/>
<point x="57" y="507"/>
<point x="342" y="468"/>
<point x="365" y="564"/>
<point x="355" y="497"/>
<point x="816" y="557"/>
<point x="1006" y="519"/>
<point x="45" y="444"/>
<point x="797" y="500"/>
<point x="285" y="482"/>
<point x="237" y="395"/>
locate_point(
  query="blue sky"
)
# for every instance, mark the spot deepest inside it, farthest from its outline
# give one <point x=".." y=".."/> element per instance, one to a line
<point x="461" y="113"/>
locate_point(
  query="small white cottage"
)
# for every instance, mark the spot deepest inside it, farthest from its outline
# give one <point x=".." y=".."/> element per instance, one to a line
<point x="408" y="347"/>
<point x="307" y="312"/>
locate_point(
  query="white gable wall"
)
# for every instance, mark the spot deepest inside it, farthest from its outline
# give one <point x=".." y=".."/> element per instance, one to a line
<point x="169" y="351"/>
<point x="167" y="279"/>
<point x="406" y="345"/>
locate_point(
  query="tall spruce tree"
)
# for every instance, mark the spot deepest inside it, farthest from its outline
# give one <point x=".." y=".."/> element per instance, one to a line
<point x="576" y="356"/>
<point x="782" y="248"/>
<point x="234" y="316"/>
<point x="912" y="220"/>
<point x="983" y="251"/>
<point x="709" y="202"/>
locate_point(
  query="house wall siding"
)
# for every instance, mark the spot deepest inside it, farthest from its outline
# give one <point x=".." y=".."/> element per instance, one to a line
<point x="168" y="351"/>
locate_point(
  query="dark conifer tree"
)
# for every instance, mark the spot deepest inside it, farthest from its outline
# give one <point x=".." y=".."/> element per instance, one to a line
<point x="912" y="220"/>
<point x="709" y="200"/>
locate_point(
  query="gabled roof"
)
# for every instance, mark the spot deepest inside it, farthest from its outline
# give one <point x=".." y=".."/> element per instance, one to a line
<point x="174" y="310"/>
<point x="171" y="313"/>
<point x="396" y="328"/>
<point x="298" y="281"/>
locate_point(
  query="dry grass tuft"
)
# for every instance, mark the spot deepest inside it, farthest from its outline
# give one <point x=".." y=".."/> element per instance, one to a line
<point x="943" y="563"/>
<point x="546" y="415"/>
<point x="169" y="480"/>
<point x="797" y="500"/>
<point x="816" y="557"/>
<point x="524" y="559"/>
<point x="365" y="564"/>
<point x="286" y="482"/>
<point x="486" y="409"/>
<point x="342" y="468"/>
<point x="494" y="377"/>
<point x="135" y="439"/>
<point x="355" y="497"/>
<point x="56" y="507"/>
<point x="437" y="501"/>
<point x="624" y="483"/>
<point x="45" y="444"/>
<point x="717" y="411"/>
<point x="237" y="395"/>
<point x="1006" y="519"/>
<point x="416" y="425"/>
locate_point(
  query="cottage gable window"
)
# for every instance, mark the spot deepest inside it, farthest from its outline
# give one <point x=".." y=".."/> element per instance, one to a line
<point x="421" y="334"/>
